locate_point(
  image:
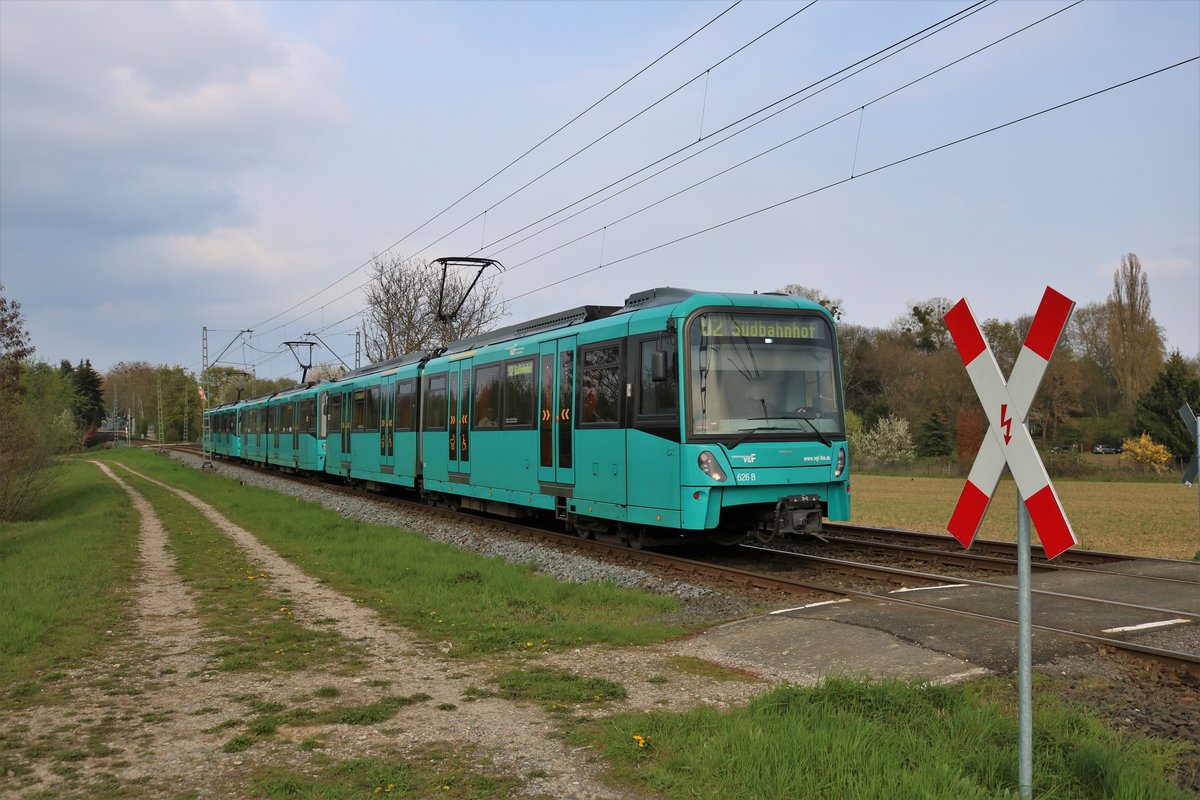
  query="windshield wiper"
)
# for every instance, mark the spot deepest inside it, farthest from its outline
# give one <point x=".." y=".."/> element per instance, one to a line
<point x="746" y="432"/>
<point x="820" y="435"/>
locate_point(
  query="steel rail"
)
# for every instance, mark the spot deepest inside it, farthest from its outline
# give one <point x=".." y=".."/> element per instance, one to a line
<point x="995" y="545"/>
<point x="998" y="563"/>
<point x="1188" y="661"/>
<point x="860" y="567"/>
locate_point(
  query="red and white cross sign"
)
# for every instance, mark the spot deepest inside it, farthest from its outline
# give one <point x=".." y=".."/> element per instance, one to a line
<point x="1007" y="439"/>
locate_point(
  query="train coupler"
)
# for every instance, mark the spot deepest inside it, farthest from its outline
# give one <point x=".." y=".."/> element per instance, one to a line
<point x="798" y="514"/>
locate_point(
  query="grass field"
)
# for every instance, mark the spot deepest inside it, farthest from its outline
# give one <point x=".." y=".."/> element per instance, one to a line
<point x="1150" y="519"/>
<point x="863" y="741"/>
<point x="63" y="577"/>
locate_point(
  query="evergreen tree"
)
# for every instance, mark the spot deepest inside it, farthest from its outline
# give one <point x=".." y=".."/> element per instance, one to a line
<point x="1157" y="409"/>
<point x="88" y="407"/>
<point x="933" y="439"/>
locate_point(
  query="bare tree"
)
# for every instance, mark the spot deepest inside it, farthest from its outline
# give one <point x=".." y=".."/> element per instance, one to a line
<point x="325" y="371"/>
<point x="924" y="324"/>
<point x="402" y="304"/>
<point x="831" y="304"/>
<point x="1134" y="338"/>
<point x="1087" y="334"/>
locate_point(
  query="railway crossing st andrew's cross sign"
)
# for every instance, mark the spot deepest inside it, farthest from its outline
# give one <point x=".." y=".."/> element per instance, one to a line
<point x="1008" y="440"/>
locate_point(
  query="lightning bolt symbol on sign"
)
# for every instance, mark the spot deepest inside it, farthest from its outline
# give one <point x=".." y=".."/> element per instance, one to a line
<point x="1006" y="421"/>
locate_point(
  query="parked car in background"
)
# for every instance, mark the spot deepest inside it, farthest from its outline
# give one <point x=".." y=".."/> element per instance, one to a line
<point x="1106" y="449"/>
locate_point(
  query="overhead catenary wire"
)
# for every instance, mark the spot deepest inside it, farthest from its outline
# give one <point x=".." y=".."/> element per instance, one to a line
<point x="621" y="125"/>
<point x="512" y="163"/>
<point x="898" y="46"/>
<point x="864" y="174"/>
<point x="828" y="122"/>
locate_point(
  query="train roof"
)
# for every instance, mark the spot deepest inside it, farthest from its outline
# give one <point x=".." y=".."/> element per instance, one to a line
<point x="649" y="298"/>
<point x="398" y="361"/>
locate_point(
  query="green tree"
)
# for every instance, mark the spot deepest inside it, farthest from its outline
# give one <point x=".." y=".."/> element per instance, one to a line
<point x="14" y="346"/>
<point x="1156" y="411"/>
<point x="35" y="418"/>
<point x="933" y="439"/>
<point x="88" y="403"/>
<point x="181" y="404"/>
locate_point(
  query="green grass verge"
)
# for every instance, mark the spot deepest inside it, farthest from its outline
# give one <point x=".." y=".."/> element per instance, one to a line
<point x="439" y="772"/>
<point x="480" y="605"/>
<point x="252" y="618"/>
<point x="64" y="575"/>
<point x="863" y="741"/>
<point x="557" y="689"/>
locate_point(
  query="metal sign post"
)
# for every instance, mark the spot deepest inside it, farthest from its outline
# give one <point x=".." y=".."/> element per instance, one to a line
<point x="1008" y="442"/>
<point x="1189" y="419"/>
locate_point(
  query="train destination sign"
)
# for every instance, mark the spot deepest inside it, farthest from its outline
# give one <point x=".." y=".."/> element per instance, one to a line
<point x="758" y="327"/>
<point x="1007" y="440"/>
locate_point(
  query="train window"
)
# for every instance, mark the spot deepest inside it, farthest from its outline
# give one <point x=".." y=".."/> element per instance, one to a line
<point x="323" y="417"/>
<point x="404" y="405"/>
<point x="658" y="398"/>
<point x="372" y="419"/>
<point x="566" y="393"/>
<point x="286" y="422"/>
<point x="600" y="383"/>
<point x="486" y="412"/>
<point x="519" y="396"/>
<point x="435" y="403"/>
<point x="308" y="417"/>
<point x="335" y="412"/>
<point x="358" y="418"/>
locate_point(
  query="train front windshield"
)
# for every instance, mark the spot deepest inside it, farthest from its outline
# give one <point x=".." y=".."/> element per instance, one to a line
<point x="762" y="376"/>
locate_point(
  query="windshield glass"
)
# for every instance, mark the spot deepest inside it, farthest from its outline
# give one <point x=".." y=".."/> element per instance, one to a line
<point x="762" y="376"/>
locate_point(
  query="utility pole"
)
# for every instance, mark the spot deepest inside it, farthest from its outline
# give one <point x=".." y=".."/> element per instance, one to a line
<point x="161" y="431"/>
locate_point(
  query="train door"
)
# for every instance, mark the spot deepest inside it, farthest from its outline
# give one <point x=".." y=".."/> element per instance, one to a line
<point x="347" y="426"/>
<point x="556" y="411"/>
<point x="296" y="423"/>
<point x="459" y="417"/>
<point x="387" y="424"/>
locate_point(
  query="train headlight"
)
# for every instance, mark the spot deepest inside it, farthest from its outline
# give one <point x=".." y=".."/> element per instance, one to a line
<point x="841" y="463"/>
<point x="708" y="463"/>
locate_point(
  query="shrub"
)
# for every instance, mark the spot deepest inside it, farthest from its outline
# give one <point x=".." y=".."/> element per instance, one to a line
<point x="1148" y="454"/>
<point x="889" y="442"/>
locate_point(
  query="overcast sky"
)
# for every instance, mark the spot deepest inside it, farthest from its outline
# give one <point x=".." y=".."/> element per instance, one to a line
<point x="169" y="166"/>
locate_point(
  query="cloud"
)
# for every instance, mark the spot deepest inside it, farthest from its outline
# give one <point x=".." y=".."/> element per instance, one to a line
<point x="139" y="118"/>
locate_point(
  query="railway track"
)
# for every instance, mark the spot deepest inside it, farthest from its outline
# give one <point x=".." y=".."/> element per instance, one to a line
<point x="988" y="555"/>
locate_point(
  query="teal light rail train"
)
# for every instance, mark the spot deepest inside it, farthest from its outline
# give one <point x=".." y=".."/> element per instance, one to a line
<point x="677" y="416"/>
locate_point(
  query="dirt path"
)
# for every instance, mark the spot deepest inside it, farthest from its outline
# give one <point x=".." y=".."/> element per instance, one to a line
<point x="144" y="712"/>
